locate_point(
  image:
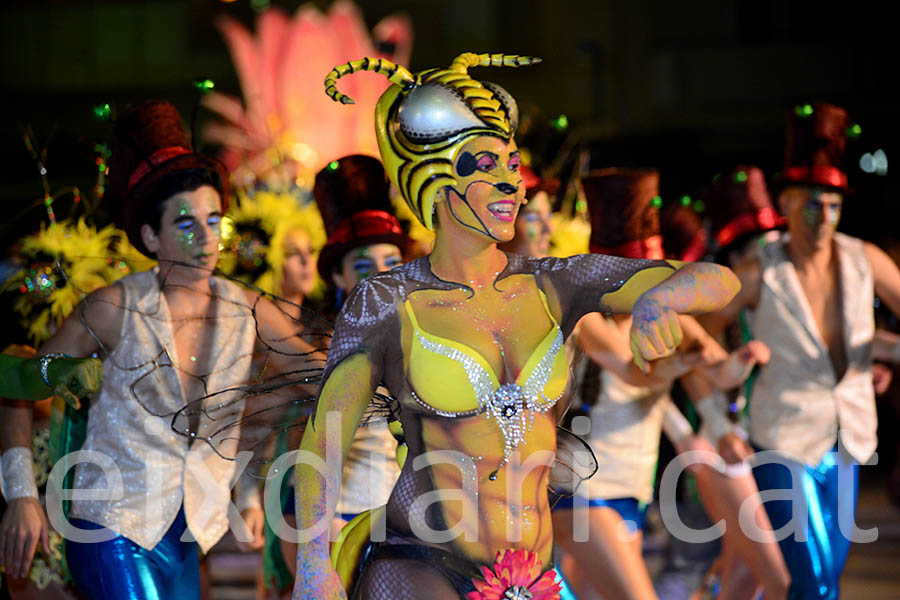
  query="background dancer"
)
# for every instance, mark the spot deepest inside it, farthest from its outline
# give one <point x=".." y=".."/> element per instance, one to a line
<point x="809" y="298"/>
<point x="165" y="336"/>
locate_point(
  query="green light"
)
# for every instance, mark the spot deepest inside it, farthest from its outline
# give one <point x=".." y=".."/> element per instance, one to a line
<point x="259" y="5"/>
<point x="102" y="112"/>
<point x="657" y="201"/>
<point x="740" y="176"/>
<point x="717" y="176"/>
<point x="333" y="165"/>
<point x="699" y="206"/>
<point x="685" y="200"/>
<point x="803" y="110"/>
<point x="204" y="85"/>
<point x="560" y="123"/>
<point x="854" y="131"/>
<point x="581" y="205"/>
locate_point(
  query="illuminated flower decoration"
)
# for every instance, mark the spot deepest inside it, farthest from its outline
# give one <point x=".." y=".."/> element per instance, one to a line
<point x="285" y="130"/>
<point x="516" y="576"/>
<point x="254" y="233"/>
<point x="61" y="264"/>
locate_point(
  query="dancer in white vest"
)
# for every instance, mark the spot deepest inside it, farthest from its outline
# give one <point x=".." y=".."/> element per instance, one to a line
<point x="809" y="298"/>
<point x="166" y="337"/>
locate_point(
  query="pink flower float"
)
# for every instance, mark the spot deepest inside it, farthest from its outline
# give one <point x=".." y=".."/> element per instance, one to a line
<point x="516" y="576"/>
<point x="285" y="128"/>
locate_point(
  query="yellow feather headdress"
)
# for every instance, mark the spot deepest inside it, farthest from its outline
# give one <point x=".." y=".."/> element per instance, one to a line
<point x="254" y="232"/>
<point x="61" y="264"/>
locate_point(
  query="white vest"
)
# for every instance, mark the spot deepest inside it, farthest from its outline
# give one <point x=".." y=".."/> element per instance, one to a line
<point x="130" y="420"/>
<point x="797" y="405"/>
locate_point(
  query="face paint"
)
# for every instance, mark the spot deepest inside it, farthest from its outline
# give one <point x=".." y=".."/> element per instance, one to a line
<point x="822" y="212"/>
<point x="191" y="229"/>
<point x="490" y="188"/>
<point x="365" y="261"/>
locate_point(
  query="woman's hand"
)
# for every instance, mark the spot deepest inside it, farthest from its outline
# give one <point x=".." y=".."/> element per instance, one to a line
<point x="733" y="449"/>
<point x="734" y="371"/>
<point x="655" y="331"/>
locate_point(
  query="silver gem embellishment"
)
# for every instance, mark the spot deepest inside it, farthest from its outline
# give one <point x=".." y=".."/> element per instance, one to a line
<point x="517" y="592"/>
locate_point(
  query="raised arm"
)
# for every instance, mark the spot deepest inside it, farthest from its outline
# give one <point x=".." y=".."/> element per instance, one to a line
<point x="692" y="289"/>
<point x="750" y="277"/>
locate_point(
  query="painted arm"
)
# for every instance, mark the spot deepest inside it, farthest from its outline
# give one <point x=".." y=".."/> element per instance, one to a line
<point x="608" y="346"/>
<point x="326" y="443"/>
<point x="694" y="288"/>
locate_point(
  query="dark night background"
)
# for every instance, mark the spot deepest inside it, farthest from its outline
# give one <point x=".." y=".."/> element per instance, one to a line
<point x="690" y="87"/>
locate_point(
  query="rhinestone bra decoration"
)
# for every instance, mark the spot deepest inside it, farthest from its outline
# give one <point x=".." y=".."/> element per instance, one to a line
<point x="510" y="402"/>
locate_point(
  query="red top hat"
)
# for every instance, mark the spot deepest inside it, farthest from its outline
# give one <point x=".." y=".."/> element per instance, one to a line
<point x="353" y="197"/>
<point x="149" y="143"/>
<point x="815" y="145"/>
<point x="738" y="204"/>
<point x="684" y="237"/>
<point x="624" y="209"/>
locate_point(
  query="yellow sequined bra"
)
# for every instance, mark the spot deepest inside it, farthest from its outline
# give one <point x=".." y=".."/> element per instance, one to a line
<point x="451" y="375"/>
<point x="449" y="379"/>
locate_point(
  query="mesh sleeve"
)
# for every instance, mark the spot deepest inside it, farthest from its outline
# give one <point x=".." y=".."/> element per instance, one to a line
<point x="581" y="281"/>
<point x="364" y="324"/>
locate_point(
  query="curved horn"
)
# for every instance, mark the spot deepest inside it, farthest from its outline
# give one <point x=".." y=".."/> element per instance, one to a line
<point x="462" y="62"/>
<point x="396" y="74"/>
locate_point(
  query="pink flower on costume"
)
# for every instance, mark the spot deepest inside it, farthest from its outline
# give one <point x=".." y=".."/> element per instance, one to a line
<point x="516" y="576"/>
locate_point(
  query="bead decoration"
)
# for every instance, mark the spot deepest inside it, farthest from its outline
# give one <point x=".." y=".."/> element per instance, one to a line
<point x="511" y="405"/>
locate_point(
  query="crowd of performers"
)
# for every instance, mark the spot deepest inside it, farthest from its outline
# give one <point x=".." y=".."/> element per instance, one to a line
<point x="433" y="459"/>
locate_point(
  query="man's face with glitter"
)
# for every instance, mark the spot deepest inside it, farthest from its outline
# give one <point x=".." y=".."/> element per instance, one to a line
<point x="190" y="228"/>
<point x="812" y="212"/>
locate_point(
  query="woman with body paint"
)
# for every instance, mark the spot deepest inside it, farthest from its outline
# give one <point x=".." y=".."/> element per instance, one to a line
<point x="469" y="342"/>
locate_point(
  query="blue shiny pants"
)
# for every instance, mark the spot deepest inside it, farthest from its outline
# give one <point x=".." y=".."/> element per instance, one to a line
<point x="120" y="569"/>
<point x="815" y="563"/>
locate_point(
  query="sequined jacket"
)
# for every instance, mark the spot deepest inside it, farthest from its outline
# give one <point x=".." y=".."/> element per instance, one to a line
<point x="152" y="470"/>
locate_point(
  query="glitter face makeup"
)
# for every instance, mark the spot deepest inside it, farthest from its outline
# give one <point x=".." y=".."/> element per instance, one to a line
<point x="816" y="210"/>
<point x="364" y="261"/>
<point x="490" y="188"/>
<point x="191" y="228"/>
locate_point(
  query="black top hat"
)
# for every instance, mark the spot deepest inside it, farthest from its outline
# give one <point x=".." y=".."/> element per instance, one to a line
<point x="353" y="197"/>
<point x="815" y="146"/>
<point x="149" y="143"/>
